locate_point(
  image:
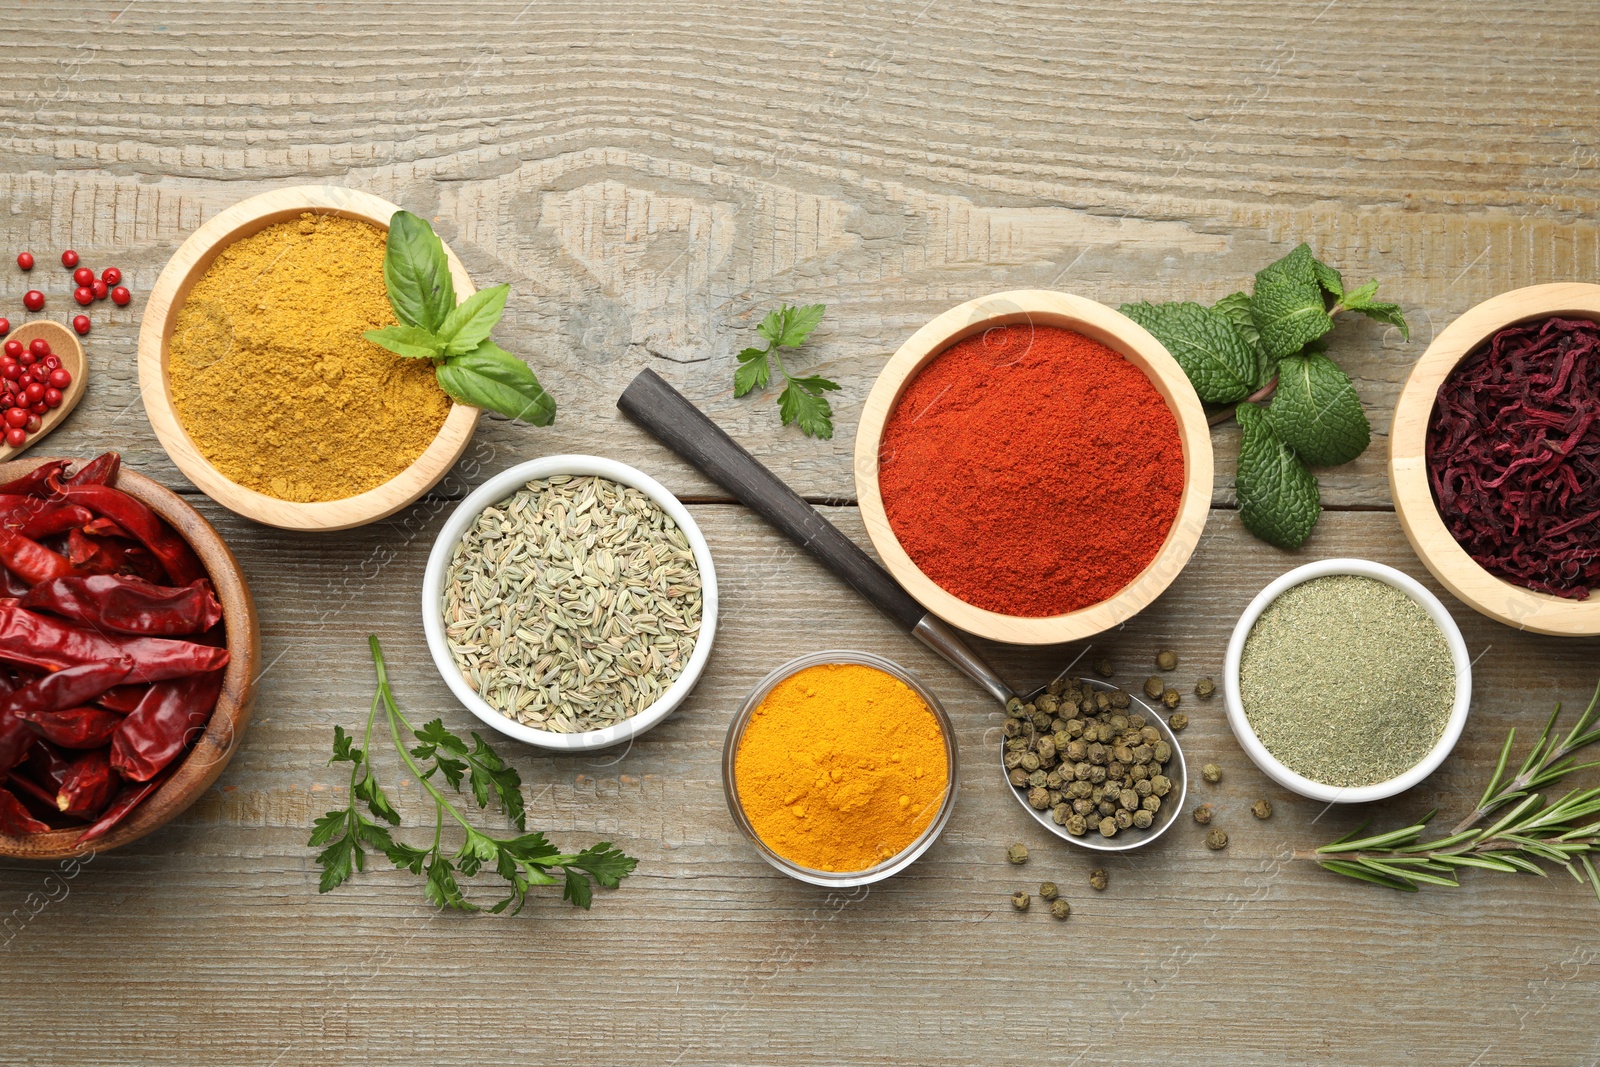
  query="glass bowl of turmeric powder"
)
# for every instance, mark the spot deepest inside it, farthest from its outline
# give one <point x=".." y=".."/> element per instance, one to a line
<point x="841" y="768"/>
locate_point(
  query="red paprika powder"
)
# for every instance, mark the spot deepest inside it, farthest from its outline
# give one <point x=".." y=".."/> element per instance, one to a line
<point x="1031" y="470"/>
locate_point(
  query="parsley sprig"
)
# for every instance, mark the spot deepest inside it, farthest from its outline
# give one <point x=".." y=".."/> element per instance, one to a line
<point x="1269" y="345"/>
<point x="523" y="861"/>
<point x="801" y="401"/>
<point x="1563" y="832"/>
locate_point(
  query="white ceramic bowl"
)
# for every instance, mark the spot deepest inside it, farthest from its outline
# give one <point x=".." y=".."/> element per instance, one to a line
<point x="1334" y="794"/>
<point x="499" y="488"/>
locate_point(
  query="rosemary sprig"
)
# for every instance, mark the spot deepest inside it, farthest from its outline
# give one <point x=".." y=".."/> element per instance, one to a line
<point x="523" y="861"/>
<point x="1529" y="832"/>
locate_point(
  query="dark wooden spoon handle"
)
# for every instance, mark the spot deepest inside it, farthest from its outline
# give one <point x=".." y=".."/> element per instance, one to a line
<point x="670" y="417"/>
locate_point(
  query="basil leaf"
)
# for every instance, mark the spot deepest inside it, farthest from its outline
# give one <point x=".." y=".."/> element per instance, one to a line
<point x="490" y="377"/>
<point x="468" y="326"/>
<point x="417" y="273"/>
<point x="411" y="341"/>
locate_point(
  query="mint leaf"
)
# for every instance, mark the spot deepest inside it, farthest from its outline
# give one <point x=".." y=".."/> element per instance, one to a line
<point x="798" y="322"/>
<point x="753" y="372"/>
<point x="490" y="377"/>
<point x="802" y="402"/>
<point x="1235" y="307"/>
<point x="468" y="325"/>
<point x="1331" y="281"/>
<point x="1361" y="301"/>
<point x="1316" y="411"/>
<point x="1219" y="362"/>
<point x="413" y="342"/>
<point x="1287" y="304"/>
<point x="1278" y="497"/>
<point x="417" y="273"/>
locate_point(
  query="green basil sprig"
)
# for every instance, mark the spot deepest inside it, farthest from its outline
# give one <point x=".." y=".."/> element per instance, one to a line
<point x="469" y="366"/>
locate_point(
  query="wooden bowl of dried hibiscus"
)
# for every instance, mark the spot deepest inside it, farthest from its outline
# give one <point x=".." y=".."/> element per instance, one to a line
<point x="128" y="640"/>
<point x="1494" y="458"/>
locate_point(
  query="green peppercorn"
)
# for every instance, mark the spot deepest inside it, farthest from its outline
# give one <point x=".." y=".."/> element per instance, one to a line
<point x="1014" y="708"/>
<point x="1262" y="809"/>
<point x="1039" y="797"/>
<point x="1108" y="827"/>
<point x="1119" y="699"/>
<point x="1055" y="687"/>
<point x="1178" y="722"/>
<point x="1018" y="777"/>
<point x="1048" y="891"/>
<point x="1124" y="818"/>
<point x="1211" y="773"/>
<point x="1151" y="804"/>
<point x="1037" y="780"/>
<point x="1143" y="819"/>
<point x="1204" y="688"/>
<point x="1059" y="813"/>
<point x="1160" y="785"/>
<point x="1041" y="721"/>
<point x="1216" y="840"/>
<point x="1202" y="814"/>
<point x="1102" y="667"/>
<point x="1020" y="900"/>
<point x="1166" y="660"/>
<point x="1012" y="728"/>
<point x="1161" y="752"/>
<point x="1017" y="853"/>
<point x="1170" y="697"/>
<point x="1029" y="762"/>
<point x="1098" y="879"/>
<point x="1077" y="825"/>
<point x="1060" y="909"/>
<point x="1154" y="687"/>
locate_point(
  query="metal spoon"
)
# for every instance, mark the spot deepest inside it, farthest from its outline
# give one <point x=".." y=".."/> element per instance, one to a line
<point x="673" y="420"/>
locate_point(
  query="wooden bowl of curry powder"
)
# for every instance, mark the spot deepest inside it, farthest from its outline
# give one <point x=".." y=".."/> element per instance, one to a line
<point x="259" y="384"/>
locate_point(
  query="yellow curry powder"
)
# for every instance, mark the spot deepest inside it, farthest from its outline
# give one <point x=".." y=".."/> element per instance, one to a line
<point x="841" y="767"/>
<point x="270" y="374"/>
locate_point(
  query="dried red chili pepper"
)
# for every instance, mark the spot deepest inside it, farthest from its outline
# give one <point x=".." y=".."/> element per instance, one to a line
<point x="22" y="784"/>
<point x="94" y="555"/>
<point x="16" y="739"/>
<point x="39" y="641"/>
<point x="166" y="721"/>
<point x="55" y="520"/>
<point x="10" y="502"/>
<point x="129" y="605"/>
<point x="102" y="470"/>
<point x="29" y="560"/>
<point x="15" y="820"/>
<point x="12" y="587"/>
<point x="48" y="765"/>
<point x="130" y="796"/>
<point x="74" y="727"/>
<point x="88" y="786"/>
<point x="123" y="698"/>
<point x="145" y="525"/>
<point x="37" y="481"/>
<point x="104" y="528"/>
<point x="67" y="688"/>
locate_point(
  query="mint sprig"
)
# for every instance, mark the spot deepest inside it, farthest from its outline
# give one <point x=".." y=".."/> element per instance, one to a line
<point x="802" y="401"/>
<point x="522" y="861"/>
<point x="469" y="366"/>
<point x="1269" y="347"/>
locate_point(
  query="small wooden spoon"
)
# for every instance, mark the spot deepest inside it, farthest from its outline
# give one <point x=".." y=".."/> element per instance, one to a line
<point x="64" y="345"/>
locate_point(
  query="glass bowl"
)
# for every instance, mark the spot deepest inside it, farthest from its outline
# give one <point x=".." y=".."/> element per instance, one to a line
<point x="900" y="860"/>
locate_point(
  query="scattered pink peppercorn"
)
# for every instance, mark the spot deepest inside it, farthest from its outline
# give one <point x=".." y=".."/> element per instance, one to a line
<point x="83" y="276"/>
<point x="69" y="259"/>
<point x="111" y="276"/>
<point x="5" y="327"/>
<point x="33" y="300"/>
<point x="120" y="295"/>
<point x="80" y="323"/>
<point x="25" y="260"/>
<point x="83" y="295"/>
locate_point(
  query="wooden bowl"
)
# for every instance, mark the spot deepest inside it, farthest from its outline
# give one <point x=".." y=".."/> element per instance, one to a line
<point x="205" y="761"/>
<point x="64" y="345"/>
<point x="1110" y="328"/>
<point x="1408" y="470"/>
<point x="186" y="267"/>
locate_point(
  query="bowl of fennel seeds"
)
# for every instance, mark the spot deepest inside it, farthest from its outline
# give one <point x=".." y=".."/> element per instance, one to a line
<point x="570" y="602"/>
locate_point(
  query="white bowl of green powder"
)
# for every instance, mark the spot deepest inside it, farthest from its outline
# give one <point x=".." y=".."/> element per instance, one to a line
<point x="1347" y="681"/>
<point x="570" y="602"/>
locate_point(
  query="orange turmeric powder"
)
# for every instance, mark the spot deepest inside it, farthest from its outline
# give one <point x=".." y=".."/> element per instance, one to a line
<point x="841" y="767"/>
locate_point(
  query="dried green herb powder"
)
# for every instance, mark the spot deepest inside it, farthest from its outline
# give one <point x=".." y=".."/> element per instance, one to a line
<point x="1347" y="680"/>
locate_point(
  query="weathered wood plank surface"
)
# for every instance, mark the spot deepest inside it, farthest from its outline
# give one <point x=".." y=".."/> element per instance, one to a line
<point x="651" y="179"/>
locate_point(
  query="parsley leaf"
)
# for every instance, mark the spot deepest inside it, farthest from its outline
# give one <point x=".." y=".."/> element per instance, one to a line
<point x="523" y="861"/>
<point x="1219" y="362"/>
<point x="801" y="402"/>
<point x="1278" y="497"/>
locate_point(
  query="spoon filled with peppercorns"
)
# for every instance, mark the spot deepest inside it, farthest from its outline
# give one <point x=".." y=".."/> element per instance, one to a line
<point x="42" y="377"/>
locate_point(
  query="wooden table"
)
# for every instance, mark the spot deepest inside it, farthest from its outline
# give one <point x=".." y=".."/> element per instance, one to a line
<point x="651" y="179"/>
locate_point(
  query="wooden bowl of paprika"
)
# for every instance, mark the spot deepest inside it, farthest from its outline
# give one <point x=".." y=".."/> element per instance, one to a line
<point x="1043" y="484"/>
<point x="234" y="337"/>
<point x="179" y="784"/>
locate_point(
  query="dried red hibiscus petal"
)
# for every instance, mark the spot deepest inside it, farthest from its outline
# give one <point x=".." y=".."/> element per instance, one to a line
<point x="1513" y="455"/>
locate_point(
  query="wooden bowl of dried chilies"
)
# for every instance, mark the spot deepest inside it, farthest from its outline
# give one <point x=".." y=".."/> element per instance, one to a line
<point x="111" y="577"/>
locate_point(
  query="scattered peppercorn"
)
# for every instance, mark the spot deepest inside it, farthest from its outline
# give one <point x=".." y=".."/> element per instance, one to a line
<point x="1178" y="722"/>
<point x="1098" y="879"/>
<point x="1216" y="840"/>
<point x="1154" y="687"/>
<point x="83" y="276"/>
<point x="120" y="295"/>
<point x="1102" y="667"/>
<point x="1020" y="900"/>
<point x="33" y="300"/>
<point x="1204" y="688"/>
<point x="1017" y="853"/>
<point x="99" y="288"/>
<point x="1262" y="809"/>
<point x="25" y="260"/>
<point x="111" y="276"/>
<point x="1211" y="773"/>
<point x="83" y="295"/>
<point x="1202" y="814"/>
<point x="1170" y="697"/>
<point x="69" y="259"/>
<point x="1048" y="891"/>
<point x="5" y="327"/>
<point x="1060" y="909"/>
<point x="1166" y="660"/>
<point x="80" y="323"/>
